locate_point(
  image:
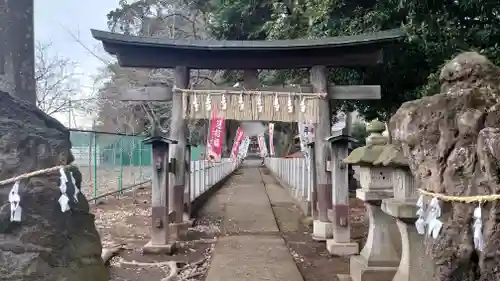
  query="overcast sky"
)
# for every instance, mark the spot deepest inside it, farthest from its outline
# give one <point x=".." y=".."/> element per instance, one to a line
<point x="55" y="19"/>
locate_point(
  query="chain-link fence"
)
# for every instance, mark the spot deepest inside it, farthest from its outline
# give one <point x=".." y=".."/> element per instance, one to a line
<point x="110" y="162"/>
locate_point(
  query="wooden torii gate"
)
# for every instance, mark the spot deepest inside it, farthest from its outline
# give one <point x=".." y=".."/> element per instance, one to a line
<point x="249" y="56"/>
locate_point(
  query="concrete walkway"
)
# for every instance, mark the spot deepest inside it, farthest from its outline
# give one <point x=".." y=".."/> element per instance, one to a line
<point x="250" y="247"/>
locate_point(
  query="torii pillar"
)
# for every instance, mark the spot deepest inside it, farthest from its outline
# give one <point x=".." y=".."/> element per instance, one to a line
<point x="178" y="131"/>
<point x="322" y="226"/>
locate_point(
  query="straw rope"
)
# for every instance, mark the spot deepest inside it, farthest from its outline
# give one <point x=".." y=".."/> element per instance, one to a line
<point x="33" y="174"/>
<point x="463" y="199"/>
<point x="248" y="92"/>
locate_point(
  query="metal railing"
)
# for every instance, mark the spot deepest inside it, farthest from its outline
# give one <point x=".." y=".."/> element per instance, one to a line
<point x="295" y="175"/>
<point x="204" y="175"/>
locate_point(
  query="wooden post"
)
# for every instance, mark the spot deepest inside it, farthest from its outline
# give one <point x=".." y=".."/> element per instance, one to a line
<point x="322" y="226"/>
<point x="159" y="197"/>
<point x="178" y="131"/>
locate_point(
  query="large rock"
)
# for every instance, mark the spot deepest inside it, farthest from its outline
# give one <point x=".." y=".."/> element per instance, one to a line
<point x="47" y="244"/>
<point x="452" y="141"/>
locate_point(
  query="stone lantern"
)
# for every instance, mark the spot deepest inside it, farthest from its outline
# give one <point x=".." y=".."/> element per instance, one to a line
<point x="378" y="259"/>
<point x="414" y="265"/>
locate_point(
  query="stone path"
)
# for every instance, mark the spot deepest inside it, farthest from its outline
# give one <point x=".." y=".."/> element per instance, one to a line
<point x="251" y="247"/>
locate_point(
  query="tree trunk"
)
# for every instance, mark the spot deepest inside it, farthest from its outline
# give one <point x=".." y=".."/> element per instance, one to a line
<point x="17" y="50"/>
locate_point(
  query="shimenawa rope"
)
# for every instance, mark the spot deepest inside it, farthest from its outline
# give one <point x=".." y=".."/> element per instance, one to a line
<point x="33" y="174"/>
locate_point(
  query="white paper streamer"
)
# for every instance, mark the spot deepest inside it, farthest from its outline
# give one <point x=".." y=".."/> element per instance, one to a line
<point x="420" y="223"/>
<point x="63" y="200"/>
<point x="241" y="102"/>
<point x="289" y="104"/>
<point x="303" y="105"/>
<point x="477" y="228"/>
<point x="434" y="225"/>
<point x="208" y="102"/>
<point x="223" y="102"/>
<point x="195" y="103"/>
<point x="259" y="103"/>
<point x="276" y="103"/>
<point x="15" y="200"/>
<point x="77" y="190"/>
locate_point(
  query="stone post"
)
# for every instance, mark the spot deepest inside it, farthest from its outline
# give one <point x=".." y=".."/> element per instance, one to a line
<point x="160" y="242"/>
<point x="17" y="49"/>
<point x="415" y="264"/>
<point x="378" y="259"/>
<point x="341" y="244"/>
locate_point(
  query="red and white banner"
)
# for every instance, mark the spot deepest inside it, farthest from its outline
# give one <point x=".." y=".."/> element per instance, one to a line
<point x="236" y="144"/>
<point x="262" y="145"/>
<point x="271" y="139"/>
<point x="216" y="136"/>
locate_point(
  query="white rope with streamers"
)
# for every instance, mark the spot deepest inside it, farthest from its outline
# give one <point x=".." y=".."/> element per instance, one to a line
<point x="15" y="206"/>
<point x="433" y="223"/>
<point x="477" y="228"/>
<point x="420" y="223"/>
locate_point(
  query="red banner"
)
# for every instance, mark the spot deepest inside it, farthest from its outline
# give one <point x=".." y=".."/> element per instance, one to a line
<point x="236" y="144"/>
<point x="271" y="139"/>
<point x="216" y="136"/>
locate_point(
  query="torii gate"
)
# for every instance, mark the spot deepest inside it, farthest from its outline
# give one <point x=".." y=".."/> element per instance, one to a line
<point x="249" y="56"/>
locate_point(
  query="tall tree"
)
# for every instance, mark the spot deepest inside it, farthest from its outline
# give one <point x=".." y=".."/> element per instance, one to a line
<point x="436" y="30"/>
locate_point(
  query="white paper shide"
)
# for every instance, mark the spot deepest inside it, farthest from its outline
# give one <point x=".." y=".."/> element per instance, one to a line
<point x="15" y="200"/>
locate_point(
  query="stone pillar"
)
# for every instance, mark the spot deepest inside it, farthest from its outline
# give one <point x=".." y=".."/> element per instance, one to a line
<point x="160" y="240"/>
<point x="17" y="49"/>
<point x="378" y="259"/>
<point x="341" y="244"/>
<point x="178" y="131"/>
<point x="322" y="227"/>
<point x="415" y="265"/>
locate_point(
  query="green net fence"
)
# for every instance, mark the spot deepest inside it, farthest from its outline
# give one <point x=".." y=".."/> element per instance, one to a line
<point x="110" y="162"/>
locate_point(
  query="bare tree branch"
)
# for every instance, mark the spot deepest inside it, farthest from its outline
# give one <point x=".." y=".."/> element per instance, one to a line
<point x="56" y="79"/>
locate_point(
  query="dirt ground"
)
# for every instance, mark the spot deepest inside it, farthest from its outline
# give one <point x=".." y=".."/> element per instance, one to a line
<point x="126" y="221"/>
<point x="312" y="258"/>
